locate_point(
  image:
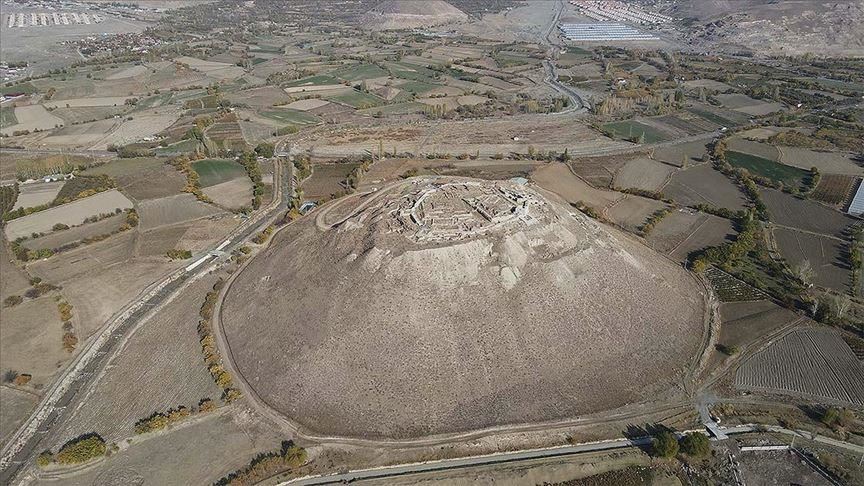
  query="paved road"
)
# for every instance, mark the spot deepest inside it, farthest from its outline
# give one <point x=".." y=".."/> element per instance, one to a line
<point x="80" y="374"/>
<point x="529" y="455"/>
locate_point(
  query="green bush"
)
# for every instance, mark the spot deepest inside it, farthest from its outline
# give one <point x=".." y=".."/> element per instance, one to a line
<point x="81" y="449"/>
<point x="696" y="445"/>
<point x="665" y="445"/>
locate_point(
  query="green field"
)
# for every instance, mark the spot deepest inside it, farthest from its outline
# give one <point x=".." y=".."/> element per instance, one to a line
<point x="217" y="171"/>
<point x="183" y="146"/>
<point x="26" y="88"/>
<point x="359" y="72"/>
<point x="405" y="70"/>
<point x="789" y="176"/>
<point x="287" y="115"/>
<point x="632" y="129"/>
<point x="357" y="99"/>
<point x="319" y="80"/>
<point x="396" y="109"/>
<point x="119" y="168"/>
<point x="418" y="88"/>
<point x="7" y="117"/>
<point x="714" y="118"/>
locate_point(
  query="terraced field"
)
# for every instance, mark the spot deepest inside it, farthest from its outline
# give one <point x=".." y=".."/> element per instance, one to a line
<point x="810" y="362"/>
<point x="730" y="289"/>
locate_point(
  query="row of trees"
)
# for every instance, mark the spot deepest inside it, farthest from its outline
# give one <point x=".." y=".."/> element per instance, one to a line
<point x="212" y="358"/>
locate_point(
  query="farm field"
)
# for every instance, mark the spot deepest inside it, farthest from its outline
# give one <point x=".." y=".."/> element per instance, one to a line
<point x="33" y="117"/>
<point x="806" y="215"/>
<point x="675" y="154"/>
<point x="730" y="289"/>
<point x="789" y="176"/>
<point x="70" y="214"/>
<point x="175" y="373"/>
<point x="58" y="239"/>
<point x="825" y="256"/>
<point x="357" y="99"/>
<point x="141" y="126"/>
<point x="682" y="232"/>
<point x="748" y="105"/>
<point x="719" y="116"/>
<point x="558" y="179"/>
<point x="630" y="130"/>
<point x="84" y="102"/>
<point x="307" y="104"/>
<point x="836" y="190"/>
<point x="826" y="162"/>
<point x="289" y="116"/>
<point x="326" y="180"/>
<point x="17" y="406"/>
<point x="172" y="210"/>
<point x="99" y="279"/>
<point x="644" y="174"/>
<point x="7" y="116"/>
<point x="359" y="72"/>
<point x="632" y="211"/>
<point x="31" y="195"/>
<point x="84" y="135"/>
<point x="810" y="362"/>
<point x="764" y="150"/>
<point x="704" y="185"/>
<point x="744" y="322"/>
<point x="264" y="97"/>
<point x="217" y="171"/>
<point x="233" y="194"/>
<point x="142" y="178"/>
<point x="33" y="339"/>
<point x="86" y="114"/>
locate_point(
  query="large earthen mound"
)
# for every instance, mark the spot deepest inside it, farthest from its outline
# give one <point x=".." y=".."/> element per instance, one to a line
<point x="441" y="305"/>
<point x="411" y="14"/>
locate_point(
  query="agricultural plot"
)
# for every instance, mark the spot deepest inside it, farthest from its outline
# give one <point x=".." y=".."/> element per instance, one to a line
<point x="263" y="97"/>
<point x="17" y="406"/>
<point x="835" y="190"/>
<point x="744" y="322"/>
<point x="644" y="174"/>
<point x="691" y="152"/>
<point x="357" y="99"/>
<point x="71" y="214"/>
<point x="786" y="210"/>
<point x="557" y="178"/>
<point x="157" y="242"/>
<point x="810" y="362"/>
<point x="763" y="150"/>
<point x="708" y="84"/>
<point x="704" y="185"/>
<point x="788" y="176"/>
<point x="314" y="81"/>
<point x="359" y="72"/>
<point x="87" y="114"/>
<point x="175" y="373"/>
<point x="825" y="256"/>
<point x="28" y="166"/>
<point x="88" y="102"/>
<point x="32" y="339"/>
<point x="83" y="135"/>
<point x="719" y="116"/>
<point x="326" y="180"/>
<point x="141" y="126"/>
<point x="291" y="117"/>
<point x="633" y="130"/>
<point x="32" y="117"/>
<point x="164" y="211"/>
<point x="7" y="116"/>
<point x="730" y="289"/>
<point x="142" y="178"/>
<point x="682" y="232"/>
<point x="631" y="212"/>
<point x="126" y="72"/>
<point x="58" y="239"/>
<point x="395" y="109"/>
<point x="826" y="162"/>
<point x="217" y="171"/>
<point x="37" y="194"/>
<point x="307" y="104"/>
<point x="748" y="105"/>
<point x="233" y="194"/>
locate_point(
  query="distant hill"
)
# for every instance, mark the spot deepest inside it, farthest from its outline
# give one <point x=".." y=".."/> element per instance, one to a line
<point x="409" y="14"/>
<point x="776" y="27"/>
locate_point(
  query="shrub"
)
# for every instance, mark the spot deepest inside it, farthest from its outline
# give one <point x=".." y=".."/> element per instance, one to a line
<point x="696" y="445"/>
<point x="45" y="458"/>
<point x="22" y="379"/>
<point x="60" y="227"/>
<point x="12" y="300"/>
<point x="65" y="311"/>
<point x="81" y="449"/>
<point x="179" y="254"/>
<point x="69" y="341"/>
<point x="834" y="417"/>
<point x="665" y="445"/>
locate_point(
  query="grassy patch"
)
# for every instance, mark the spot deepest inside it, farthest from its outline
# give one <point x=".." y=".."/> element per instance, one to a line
<point x="359" y="72"/>
<point x="7" y="117"/>
<point x="357" y="99"/>
<point x="418" y="88"/>
<point x="413" y="72"/>
<point x="217" y="171"/>
<point x="289" y="116"/>
<point x="789" y="176"/>
<point x="319" y="80"/>
<point x="83" y="186"/>
<point x="713" y="117"/>
<point x="631" y="130"/>
<point x="26" y="88"/>
<point x="183" y="146"/>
